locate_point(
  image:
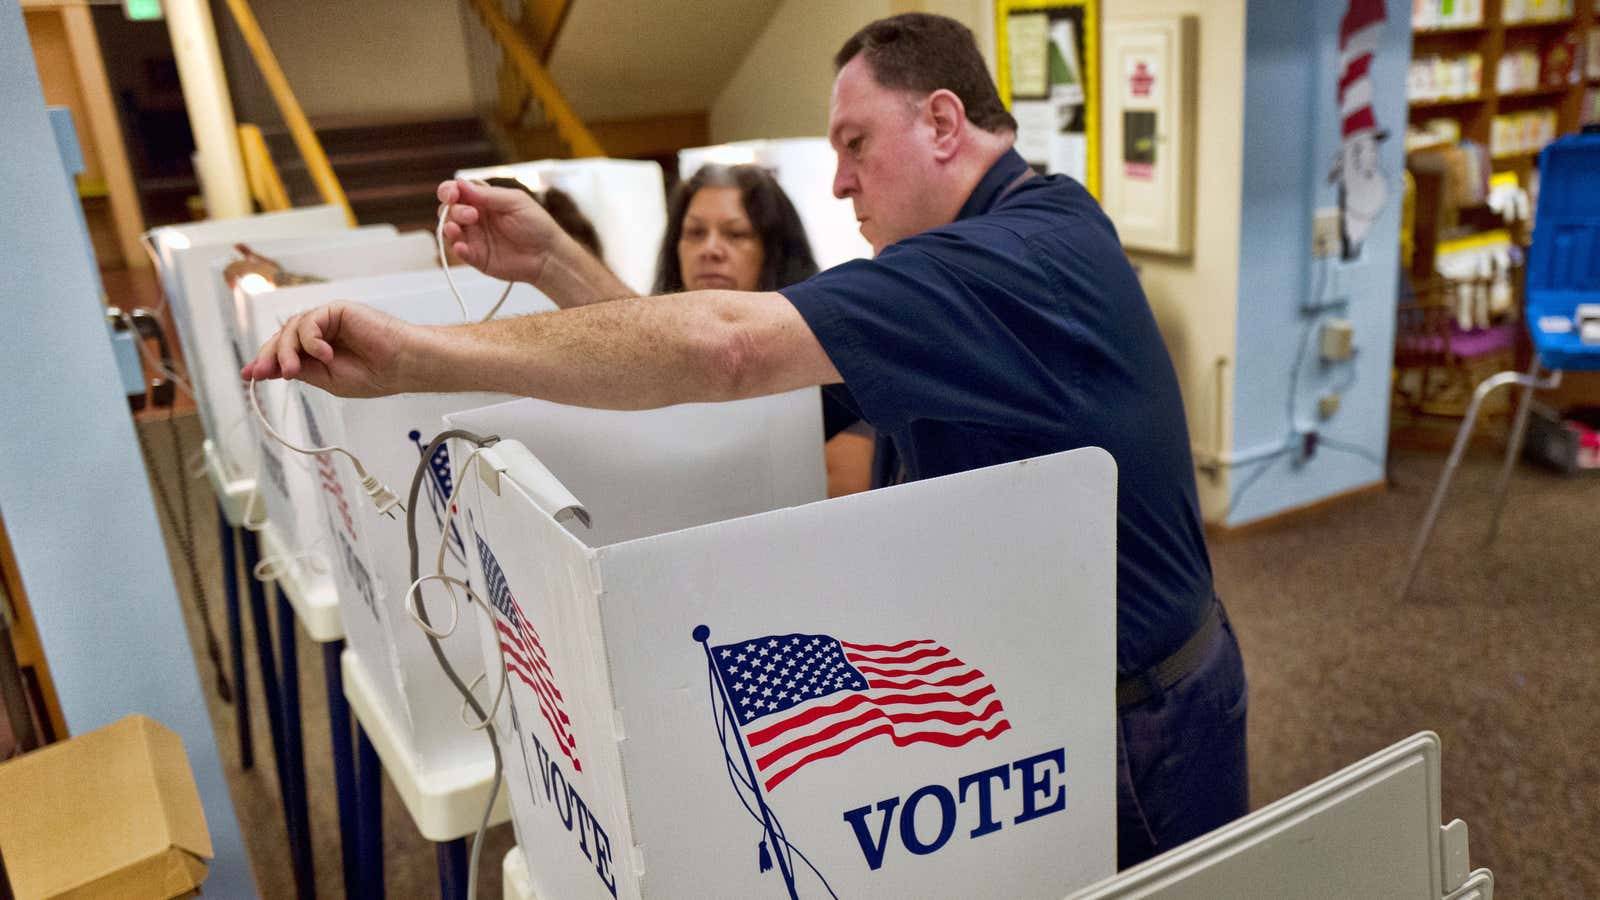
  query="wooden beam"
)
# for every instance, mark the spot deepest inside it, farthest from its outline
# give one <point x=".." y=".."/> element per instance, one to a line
<point x="95" y="88"/>
<point x="648" y="136"/>
<point x="299" y="128"/>
<point x="543" y="20"/>
<point x="25" y="636"/>
<point x="527" y="62"/>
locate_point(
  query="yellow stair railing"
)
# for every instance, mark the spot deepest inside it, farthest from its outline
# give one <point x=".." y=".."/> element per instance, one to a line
<point x="528" y="63"/>
<point x="305" y="138"/>
<point x="266" y="186"/>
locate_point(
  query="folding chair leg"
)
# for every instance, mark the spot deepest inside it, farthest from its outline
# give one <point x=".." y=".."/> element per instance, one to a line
<point x="1463" y="436"/>
<point x="1519" y="431"/>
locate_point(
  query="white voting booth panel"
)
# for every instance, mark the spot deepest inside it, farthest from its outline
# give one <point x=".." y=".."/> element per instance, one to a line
<point x="289" y="486"/>
<point x="646" y="472"/>
<point x="933" y="664"/>
<point x="184" y="253"/>
<point x="385" y="253"/>
<point x="625" y="199"/>
<point x="1369" y="831"/>
<point x="371" y="566"/>
<point x="804" y="168"/>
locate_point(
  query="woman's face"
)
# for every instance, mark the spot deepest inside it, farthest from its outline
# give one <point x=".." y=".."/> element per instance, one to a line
<point x="719" y="249"/>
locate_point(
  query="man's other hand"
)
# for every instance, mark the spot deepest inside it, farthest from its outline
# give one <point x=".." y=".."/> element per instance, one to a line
<point x="502" y="232"/>
<point x="344" y="348"/>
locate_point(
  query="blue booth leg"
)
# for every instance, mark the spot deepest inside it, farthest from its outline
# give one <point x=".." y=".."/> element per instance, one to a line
<point x="230" y="591"/>
<point x="344" y="766"/>
<point x="452" y="857"/>
<point x="265" y="658"/>
<point x="369" y="809"/>
<point x="293" y="763"/>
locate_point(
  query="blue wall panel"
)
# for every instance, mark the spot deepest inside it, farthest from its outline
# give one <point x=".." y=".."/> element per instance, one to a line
<point x="1292" y="139"/>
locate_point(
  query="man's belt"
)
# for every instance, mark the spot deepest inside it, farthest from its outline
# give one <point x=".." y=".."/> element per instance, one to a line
<point x="1135" y="689"/>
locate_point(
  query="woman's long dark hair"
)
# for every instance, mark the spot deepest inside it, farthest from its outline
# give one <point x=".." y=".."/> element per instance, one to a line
<point x="786" y="253"/>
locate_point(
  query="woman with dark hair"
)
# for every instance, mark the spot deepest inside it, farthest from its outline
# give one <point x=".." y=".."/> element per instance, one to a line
<point x="733" y="228"/>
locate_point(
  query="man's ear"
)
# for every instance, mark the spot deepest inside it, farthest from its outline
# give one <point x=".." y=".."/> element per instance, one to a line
<point x="949" y="119"/>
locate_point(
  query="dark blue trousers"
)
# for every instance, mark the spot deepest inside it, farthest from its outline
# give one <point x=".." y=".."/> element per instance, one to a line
<point x="1181" y="762"/>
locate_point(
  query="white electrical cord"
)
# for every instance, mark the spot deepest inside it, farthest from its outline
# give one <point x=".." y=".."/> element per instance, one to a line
<point x="444" y="263"/>
<point x="382" y="497"/>
<point x="277" y="566"/>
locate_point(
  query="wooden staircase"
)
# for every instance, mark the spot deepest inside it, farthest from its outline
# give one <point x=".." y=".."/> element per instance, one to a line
<point x="389" y="170"/>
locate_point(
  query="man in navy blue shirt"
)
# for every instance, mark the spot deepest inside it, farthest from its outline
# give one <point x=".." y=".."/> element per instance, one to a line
<point x="998" y="320"/>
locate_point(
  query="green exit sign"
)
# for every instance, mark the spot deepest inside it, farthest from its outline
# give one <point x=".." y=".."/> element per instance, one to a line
<point x="142" y="10"/>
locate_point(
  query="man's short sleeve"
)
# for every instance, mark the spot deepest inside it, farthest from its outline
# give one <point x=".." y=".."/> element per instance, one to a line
<point x="929" y="330"/>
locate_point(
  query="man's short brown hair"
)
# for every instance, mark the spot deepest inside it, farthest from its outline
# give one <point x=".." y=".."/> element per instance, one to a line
<point x="924" y="53"/>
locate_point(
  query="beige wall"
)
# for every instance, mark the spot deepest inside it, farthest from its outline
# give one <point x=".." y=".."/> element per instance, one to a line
<point x="1196" y="299"/>
<point x="373" y="60"/>
<point x="781" y="89"/>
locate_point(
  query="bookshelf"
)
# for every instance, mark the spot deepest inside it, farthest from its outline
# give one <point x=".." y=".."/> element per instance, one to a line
<point x="1512" y="41"/>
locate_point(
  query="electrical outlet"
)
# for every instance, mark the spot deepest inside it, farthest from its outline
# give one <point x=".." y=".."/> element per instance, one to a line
<point x="1327" y="405"/>
<point x="1325" y="233"/>
<point x="1338" y="340"/>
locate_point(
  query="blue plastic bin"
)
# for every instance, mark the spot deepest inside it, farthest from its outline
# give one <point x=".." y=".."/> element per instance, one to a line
<point x="1564" y="261"/>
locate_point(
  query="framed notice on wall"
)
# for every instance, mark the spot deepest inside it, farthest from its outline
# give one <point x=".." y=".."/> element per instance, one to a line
<point x="1148" y="180"/>
<point x="1049" y="67"/>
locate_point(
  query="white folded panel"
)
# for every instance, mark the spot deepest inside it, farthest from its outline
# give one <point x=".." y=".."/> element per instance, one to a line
<point x="184" y="253"/>
<point x="804" y="168"/>
<point x="288" y="492"/>
<point x="1370" y="830"/>
<point x="371" y="561"/>
<point x="902" y="693"/>
<point x="387" y="253"/>
<point x="625" y="199"/>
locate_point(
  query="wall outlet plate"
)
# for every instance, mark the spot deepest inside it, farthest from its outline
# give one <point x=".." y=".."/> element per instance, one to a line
<point x="1338" y="340"/>
<point x="1325" y="233"/>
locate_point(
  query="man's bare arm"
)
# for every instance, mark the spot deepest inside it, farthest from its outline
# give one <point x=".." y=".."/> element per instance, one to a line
<point x="636" y="353"/>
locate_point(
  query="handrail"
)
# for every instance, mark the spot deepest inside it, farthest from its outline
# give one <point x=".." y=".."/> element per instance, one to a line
<point x="526" y="60"/>
<point x="266" y="186"/>
<point x="305" y="138"/>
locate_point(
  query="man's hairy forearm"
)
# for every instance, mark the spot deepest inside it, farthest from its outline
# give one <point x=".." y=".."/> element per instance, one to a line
<point x="571" y="276"/>
<point x="636" y="353"/>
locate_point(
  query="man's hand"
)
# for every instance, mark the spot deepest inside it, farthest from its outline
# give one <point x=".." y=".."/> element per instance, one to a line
<point x="500" y="231"/>
<point x="344" y="348"/>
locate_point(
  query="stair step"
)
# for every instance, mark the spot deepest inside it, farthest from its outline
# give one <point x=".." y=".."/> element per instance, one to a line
<point x="339" y="138"/>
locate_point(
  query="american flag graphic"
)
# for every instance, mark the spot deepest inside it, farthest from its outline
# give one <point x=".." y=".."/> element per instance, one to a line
<point x="441" y="490"/>
<point x="525" y="652"/>
<point x="328" y="472"/>
<point x="799" y="698"/>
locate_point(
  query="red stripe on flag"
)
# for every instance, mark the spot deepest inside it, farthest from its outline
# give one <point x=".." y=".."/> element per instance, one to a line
<point x="940" y="738"/>
<point x="966" y="677"/>
<point x="898" y="660"/>
<point x="924" y="670"/>
<point x="853" y="700"/>
<point x="870" y="648"/>
<point x="949" y="717"/>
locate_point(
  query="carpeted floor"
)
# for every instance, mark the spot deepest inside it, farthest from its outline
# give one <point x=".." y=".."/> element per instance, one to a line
<point x="1498" y="651"/>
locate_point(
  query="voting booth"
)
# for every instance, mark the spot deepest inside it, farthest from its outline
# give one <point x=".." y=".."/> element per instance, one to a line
<point x="289" y="488"/>
<point x="1371" y="830"/>
<point x="368" y="550"/>
<point x="624" y="199"/>
<point x="907" y="692"/>
<point x="804" y="168"/>
<point x="183" y="254"/>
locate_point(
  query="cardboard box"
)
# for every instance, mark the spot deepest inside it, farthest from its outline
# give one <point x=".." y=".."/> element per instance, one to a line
<point x="111" y="813"/>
